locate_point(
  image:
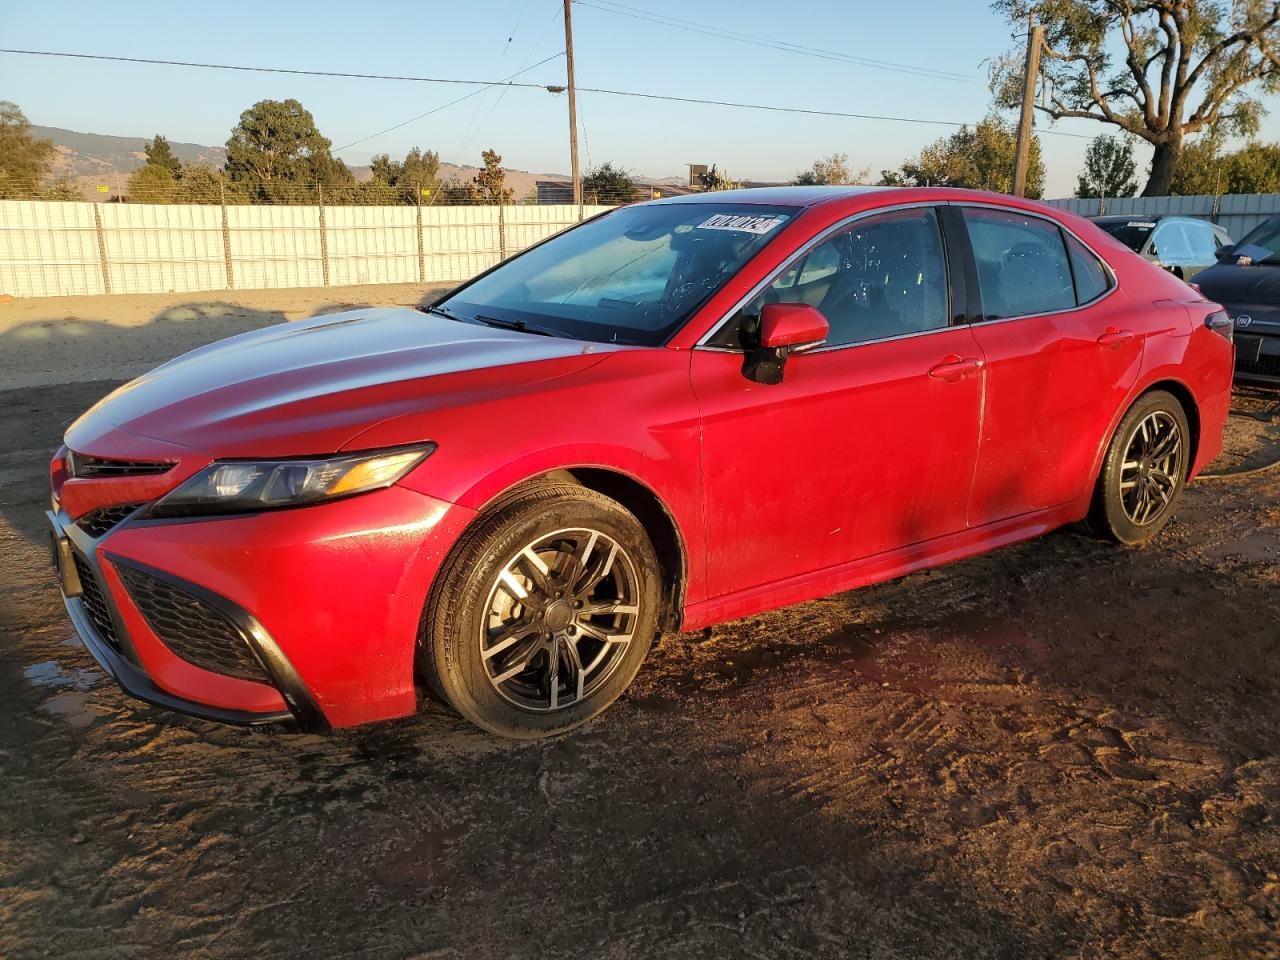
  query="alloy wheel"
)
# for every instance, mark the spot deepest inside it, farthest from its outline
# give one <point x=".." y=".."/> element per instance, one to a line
<point x="1152" y="467"/>
<point x="558" y="619"/>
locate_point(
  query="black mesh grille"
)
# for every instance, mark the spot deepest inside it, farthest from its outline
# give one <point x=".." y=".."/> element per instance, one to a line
<point x="94" y="599"/>
<point x="97" y="523"/>
<point x="83" y="466"/>
<point x="191" y="628"/>
<point x="1266" y="365"/>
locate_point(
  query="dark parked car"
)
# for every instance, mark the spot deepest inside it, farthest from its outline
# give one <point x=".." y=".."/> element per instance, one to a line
<point x="1246" y="281"/>
<point x="1182" y="245"/>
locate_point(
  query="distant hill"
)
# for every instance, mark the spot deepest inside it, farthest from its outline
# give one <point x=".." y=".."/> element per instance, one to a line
<point x="93" y="159"/>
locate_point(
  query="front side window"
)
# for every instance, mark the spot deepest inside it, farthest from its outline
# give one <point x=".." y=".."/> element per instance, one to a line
<point x="633" y="276"/>
<point x="1022" y="263"/>
<point x="1200" y="243"/>
<point x="884" y="276"/>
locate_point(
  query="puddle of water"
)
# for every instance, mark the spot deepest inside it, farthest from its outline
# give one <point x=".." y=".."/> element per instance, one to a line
<point x="51" y="675"/>
<point x="72" y="707"/>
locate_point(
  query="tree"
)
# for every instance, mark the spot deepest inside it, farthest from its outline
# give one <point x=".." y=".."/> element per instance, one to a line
<point x="277" y="153"/>
<point x="1205" y="169"/>
<point x="24" y="160"/>
<point x="202" y="183"/>
<point x="488" y="185"/>
<point x="609" y="184"/>
<point x="1108" y="169"/>
<point x="832" y="169"/>
<point x="980" y="158"/>
<point x="151" y="183"/>
<point x="1157" y="69"/>
<point x="160" y="154"/>
<point x="402" y="181"/>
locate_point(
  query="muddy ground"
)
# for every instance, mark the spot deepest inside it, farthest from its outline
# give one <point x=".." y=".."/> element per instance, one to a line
<point x="1062" y="749"/>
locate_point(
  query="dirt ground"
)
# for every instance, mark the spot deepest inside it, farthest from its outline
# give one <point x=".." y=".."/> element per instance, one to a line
<point x="1062" y="749"/>
<point x="47" y="340"/>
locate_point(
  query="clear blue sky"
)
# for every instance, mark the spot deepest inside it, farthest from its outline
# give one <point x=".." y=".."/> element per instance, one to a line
<point x="529" y="127"/>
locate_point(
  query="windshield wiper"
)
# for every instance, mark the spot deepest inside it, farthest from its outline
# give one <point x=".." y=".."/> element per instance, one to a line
<point x="443" y="311"/>
<point x="518" y="325"/>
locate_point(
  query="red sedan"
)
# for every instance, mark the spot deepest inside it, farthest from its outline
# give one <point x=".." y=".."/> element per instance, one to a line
<point x="675" y="414"/>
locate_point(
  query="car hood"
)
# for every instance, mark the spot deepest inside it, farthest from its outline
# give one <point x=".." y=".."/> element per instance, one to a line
<point x="1257" y="283"/>
<point x="1251" y="295"/>
<point x="310" y="386"/>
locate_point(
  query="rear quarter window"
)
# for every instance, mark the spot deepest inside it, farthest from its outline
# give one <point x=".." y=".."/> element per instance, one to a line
<point x="1091" y="278"/>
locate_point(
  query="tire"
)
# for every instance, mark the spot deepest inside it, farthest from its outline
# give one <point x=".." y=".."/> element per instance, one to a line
<point x="592" y="590"/>
<point x="1135" y="493"/>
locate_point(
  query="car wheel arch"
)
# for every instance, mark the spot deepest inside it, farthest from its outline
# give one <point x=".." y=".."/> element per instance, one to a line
<point x="644" y="503"/>
<point x="1180" y="391"/>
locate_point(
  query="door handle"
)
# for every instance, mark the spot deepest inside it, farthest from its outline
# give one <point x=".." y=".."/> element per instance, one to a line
<point x="953" y="367"/>
<point x="1115" y="339"/>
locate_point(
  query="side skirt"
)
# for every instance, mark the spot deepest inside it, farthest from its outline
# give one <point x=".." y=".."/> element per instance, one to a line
<point x="878" y="567"/>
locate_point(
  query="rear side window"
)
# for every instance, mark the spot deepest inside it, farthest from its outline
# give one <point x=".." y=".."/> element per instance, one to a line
<point x="1091" y="279"/>
<point x="1022" y="264"/>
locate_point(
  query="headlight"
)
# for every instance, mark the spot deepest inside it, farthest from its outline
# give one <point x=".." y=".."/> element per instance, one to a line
<point x="239" y="486"/>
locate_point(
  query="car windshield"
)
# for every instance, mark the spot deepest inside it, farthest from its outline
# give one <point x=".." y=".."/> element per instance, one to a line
<point x="1132" y="233"/>
<point x="633" y="276"/>
<point x="1266" y="236"/>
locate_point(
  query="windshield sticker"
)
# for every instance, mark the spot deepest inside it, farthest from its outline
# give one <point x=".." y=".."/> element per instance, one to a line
<point x="741" y="222"/>
<point x="1141" y="223"/>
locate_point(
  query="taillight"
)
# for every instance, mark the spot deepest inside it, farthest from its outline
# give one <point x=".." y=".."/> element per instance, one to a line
<point x="1221" y="324"/>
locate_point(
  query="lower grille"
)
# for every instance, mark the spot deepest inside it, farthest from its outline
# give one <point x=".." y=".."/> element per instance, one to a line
<point x="193" y="629"/>
<point x="95" y="603"/>
<point x="1264" y="364"/>
<point x="100" y="522"/>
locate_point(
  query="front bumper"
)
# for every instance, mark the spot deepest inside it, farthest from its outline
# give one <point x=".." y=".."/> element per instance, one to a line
<point x="326" y="598"/>
<point x="1257" y="357"/>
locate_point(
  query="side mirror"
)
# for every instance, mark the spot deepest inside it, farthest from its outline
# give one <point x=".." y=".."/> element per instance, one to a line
<point x="793" y="325"/>
<point x="784" y="327"/>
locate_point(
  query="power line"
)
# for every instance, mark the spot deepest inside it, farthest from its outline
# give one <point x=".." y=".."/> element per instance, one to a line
<point x="693" y="26"/>
<point x="466" y="96"/>
<point x="551" y="88"/>
<point x="296" y="72"/>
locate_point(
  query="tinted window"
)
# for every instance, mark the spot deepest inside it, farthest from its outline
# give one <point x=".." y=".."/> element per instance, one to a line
<point x="1132" y="233"/>
<point x="1266" y="236"/>
<point x="632" y="276"/>
<point x="885" y="276"/>
<point x="1022" y="264"/>
<point x="1091" y="279"/>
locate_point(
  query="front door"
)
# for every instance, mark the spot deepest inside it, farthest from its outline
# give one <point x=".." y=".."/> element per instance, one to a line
<point x="870" y="442"/>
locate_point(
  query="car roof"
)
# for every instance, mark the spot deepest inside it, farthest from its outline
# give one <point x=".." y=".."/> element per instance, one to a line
<point x="775" y="196"/>
<point x="1148" y="218"/>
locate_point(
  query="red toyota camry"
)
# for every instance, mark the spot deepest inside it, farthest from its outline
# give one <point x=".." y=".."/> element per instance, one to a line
<point x="677" y="413"/>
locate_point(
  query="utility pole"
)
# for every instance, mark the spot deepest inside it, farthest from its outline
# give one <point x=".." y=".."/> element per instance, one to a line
<point x="573" y="105"/>
<point x="1022" y="154"/>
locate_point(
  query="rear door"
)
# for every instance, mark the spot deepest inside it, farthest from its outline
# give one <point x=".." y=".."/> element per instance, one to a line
<point x="1062" y="353"/>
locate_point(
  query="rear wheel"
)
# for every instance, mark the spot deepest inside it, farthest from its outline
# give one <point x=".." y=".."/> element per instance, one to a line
<point x="544" y="613"/>
<point x="1143" y="472"/>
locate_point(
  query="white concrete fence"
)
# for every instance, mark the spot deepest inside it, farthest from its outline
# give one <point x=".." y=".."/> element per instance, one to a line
<point x="52" y="248"/>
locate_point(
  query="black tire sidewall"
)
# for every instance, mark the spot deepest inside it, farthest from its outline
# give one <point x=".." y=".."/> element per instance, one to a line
<point x="1108" y="514"/>
<point x="452" y="651"/>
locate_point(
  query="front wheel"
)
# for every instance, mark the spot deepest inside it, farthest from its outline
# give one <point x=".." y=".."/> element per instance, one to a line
<point x="1144" y="470"/>
<point x="543" y="614"/>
